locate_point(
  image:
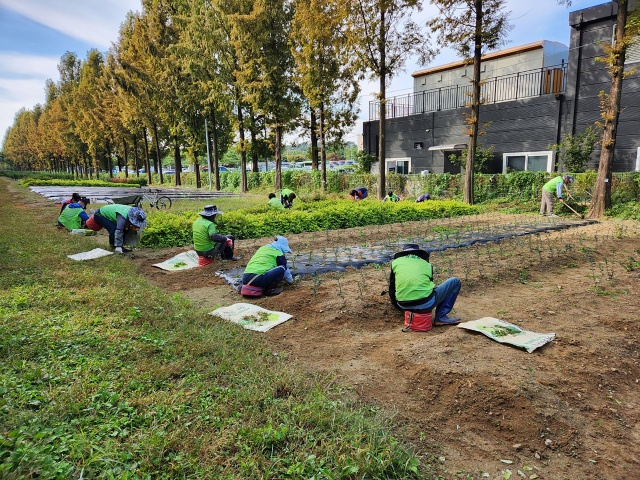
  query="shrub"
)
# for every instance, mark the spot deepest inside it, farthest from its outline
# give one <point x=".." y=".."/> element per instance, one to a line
<point x="170" y="230"/>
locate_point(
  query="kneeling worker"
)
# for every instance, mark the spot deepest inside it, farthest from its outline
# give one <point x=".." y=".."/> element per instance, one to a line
<point x="275" y="202"/>
<point x="411" y="286"/>
<point x="266" y="269"/>
<point x="287" y="197"/>
<point x="73" y="215"/>
<point x="207" y="242"/>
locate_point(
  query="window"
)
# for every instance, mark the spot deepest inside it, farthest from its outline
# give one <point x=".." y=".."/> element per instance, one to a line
<point x="399" y="165"/>
<point x="527" y="161"/>
<point x="633" y="52"/>
<point x="418" y="145"/>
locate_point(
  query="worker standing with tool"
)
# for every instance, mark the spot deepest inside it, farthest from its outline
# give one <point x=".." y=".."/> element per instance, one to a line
<point x="555" y="185"/>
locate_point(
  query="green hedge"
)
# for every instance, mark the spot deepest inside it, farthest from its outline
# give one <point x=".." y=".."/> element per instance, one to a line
<point x="170" y="230"/>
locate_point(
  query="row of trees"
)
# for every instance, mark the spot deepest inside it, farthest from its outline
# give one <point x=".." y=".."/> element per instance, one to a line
<point x="252" y="70"/>
<point x="255" y="70"/>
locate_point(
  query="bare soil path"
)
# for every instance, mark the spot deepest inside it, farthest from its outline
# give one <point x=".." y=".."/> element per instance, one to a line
<point x="569" y="410"/>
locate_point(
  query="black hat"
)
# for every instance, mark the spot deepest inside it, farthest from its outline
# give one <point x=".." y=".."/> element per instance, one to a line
<point x="210" y="211"/>
<point x="412" y="249"/>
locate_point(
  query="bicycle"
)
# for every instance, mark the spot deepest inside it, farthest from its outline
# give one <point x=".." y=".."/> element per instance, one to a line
<point x="154" y="198"/>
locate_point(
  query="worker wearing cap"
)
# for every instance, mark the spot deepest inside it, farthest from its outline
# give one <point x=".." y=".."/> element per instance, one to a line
<point x="554" y="185"/>
<point x="207" y="242"/>
<point x="118" y="220"/>
<point x="268" y="267"/>
<point x="73" y="216"/>
<point x="411" y="286"/>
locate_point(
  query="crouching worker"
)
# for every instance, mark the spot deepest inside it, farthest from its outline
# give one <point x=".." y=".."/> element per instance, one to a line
<point x="266" y="269"/>
<point x="287" y="197"/>
<point x="411" y="286"/>
<point x="73" y="216"/>
<point x="120" y="220"/>
<point x="275" y="202"/>
<point x="207" y="242"/>
<point x="359" y="193"/>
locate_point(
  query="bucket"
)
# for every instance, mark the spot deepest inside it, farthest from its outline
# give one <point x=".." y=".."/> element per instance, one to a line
<point x="417" y="322"/>
<point x="93" y="225"/>
<point x="251" y="291"/>
<point x="204" y="261"/>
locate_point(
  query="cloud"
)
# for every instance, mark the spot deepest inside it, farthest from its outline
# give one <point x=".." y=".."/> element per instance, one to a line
<point x="96" y="22"/>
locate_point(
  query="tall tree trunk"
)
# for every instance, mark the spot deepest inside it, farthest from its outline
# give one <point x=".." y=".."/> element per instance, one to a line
<point x="178" y="160"/>
<point x="278" y="147"/>
<point x="196" y="168"/>
<point x="146" y="155"/>
<point x="158" y="154"/>
<point x="109" y="163"/>
<point x="602" y="193"/>
<point x="126" y="157"/>
<point x="314" y="141"/>
<point x="323" y="150"/>
<point x="214" y="141"/>
<point x="254" y="151"/>
<point x="382" y="165"/>
<point x="475" y="108"/>
<point x="243" y="150"/>
<point x="136" y="161"/>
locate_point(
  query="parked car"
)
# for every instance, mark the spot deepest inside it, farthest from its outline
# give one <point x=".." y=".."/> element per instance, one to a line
<point x="221" y="169"/>
<point x="169" y="172"/>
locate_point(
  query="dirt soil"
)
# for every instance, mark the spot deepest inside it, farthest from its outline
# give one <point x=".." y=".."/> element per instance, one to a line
<point x="475" y="407"/>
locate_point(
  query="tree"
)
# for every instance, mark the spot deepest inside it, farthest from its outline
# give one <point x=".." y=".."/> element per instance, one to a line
<point x="266" y="68"/>
<point x="383" y="36"/>
<point x="471" y="26"/>
<point x="481" y="157"/>
<point x="574" y="150"/>
<point x="627" y="30"/>
<point x="324" y="70"/>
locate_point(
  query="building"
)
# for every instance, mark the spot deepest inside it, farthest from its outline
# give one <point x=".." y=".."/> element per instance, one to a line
<point x="532" y="95"/>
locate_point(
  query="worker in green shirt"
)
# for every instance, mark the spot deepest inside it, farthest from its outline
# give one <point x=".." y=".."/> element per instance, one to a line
<point x="286" y="197"/>
<point x="119" y="220"/>
<point x="275" y="202"/>
<point x="411" y="286"/>
<point x="266" y="269"/>
<point x="207" y="242"/>
<point x="73" y="216"/>
<point x="391" y="197"/>
<point x="555" y="185"/>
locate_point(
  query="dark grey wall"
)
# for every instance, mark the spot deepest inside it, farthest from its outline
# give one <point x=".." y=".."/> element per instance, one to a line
<point x="531" y="124"/>
<point x="586" y="78"/>
<point x="518" y="126"/>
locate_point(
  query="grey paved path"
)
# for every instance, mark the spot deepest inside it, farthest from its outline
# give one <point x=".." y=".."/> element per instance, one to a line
<point x="105" y="194"/>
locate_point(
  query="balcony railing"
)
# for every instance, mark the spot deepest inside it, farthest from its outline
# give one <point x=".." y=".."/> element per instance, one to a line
<point x="515" y="86"/>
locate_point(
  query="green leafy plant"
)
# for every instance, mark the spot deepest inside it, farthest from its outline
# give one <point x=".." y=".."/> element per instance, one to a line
<point x="575" y="150"/>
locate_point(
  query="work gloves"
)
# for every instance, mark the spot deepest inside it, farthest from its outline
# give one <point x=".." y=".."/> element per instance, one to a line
<point x="287" y="276"/>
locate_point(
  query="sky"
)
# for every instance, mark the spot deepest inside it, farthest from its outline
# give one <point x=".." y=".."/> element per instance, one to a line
<point x="35" y="34"/>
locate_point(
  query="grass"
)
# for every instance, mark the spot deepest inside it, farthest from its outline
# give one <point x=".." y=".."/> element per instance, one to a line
<point x="103" y="375"/>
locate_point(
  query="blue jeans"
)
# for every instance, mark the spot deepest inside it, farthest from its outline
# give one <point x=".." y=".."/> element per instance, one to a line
<point x="268" y="278"/>
<point x="444" y="298"/>
<point x="108" y="225"/>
